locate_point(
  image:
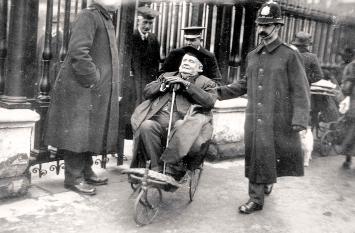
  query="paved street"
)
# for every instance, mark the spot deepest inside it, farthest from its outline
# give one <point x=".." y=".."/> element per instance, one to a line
<point x="322" y="201"/>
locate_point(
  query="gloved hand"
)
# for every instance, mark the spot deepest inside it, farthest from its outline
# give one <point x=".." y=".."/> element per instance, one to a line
<point x="344" y="105"/>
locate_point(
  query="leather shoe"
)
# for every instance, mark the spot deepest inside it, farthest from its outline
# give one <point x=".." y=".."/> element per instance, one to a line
<point x="268" y="189"/>
<point x="82" y="188"/>
<point x="250" y="207"/>
<point x="94" y="180"/>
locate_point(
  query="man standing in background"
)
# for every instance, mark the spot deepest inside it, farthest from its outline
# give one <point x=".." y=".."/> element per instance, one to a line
<point x="145" y="52"/>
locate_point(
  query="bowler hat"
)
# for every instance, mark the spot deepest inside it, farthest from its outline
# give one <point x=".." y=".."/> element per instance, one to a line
<point x="147" y="12"/>
<point x="193" y="31"/>
<point x="302" y="38"/>
<point x="269" y="13"/>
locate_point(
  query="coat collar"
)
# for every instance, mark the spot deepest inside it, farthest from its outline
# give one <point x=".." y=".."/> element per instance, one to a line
<point x="102" y="10"/>
<point x="269" y="47"/>
<point x="302" y="49"/>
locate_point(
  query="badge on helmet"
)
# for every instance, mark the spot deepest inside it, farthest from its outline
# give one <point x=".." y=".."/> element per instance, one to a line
<point x="269" y="13"/>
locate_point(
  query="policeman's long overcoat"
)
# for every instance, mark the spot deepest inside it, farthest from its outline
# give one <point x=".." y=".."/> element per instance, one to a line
<point x="82" y="117"/>
<point x="278" y="98"/>
<point x="145" y="62"/>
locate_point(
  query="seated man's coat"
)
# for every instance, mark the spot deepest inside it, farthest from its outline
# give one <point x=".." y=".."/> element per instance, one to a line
<point x="192" y="132"/>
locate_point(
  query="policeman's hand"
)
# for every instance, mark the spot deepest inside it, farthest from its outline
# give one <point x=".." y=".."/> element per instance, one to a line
<point x="298" y="128"/>
<point x="344" y="105"/>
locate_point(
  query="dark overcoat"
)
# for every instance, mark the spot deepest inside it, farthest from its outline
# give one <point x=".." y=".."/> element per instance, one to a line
<point x="208" y="60"/>
<point x="192" y="132"/>
<point x="278" y="98"/>
<point x="145" y="62"/>
<point x="83" y="113"/>
<point x="311" y="64"/>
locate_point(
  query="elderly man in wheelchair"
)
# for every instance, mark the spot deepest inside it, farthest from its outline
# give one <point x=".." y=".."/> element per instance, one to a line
<point x="173" y="126"/>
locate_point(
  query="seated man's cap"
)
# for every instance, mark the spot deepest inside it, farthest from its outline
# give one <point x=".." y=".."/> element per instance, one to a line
<point x="147" y="12"/>
<point x="302" y="38"/>
<point x="193" y="32"/>
<point x="269" y="13"/>
<point x="194" y="52"/>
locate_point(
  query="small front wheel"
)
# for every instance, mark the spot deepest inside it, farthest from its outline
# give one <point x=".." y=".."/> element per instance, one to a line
<point x="147" y="205"/>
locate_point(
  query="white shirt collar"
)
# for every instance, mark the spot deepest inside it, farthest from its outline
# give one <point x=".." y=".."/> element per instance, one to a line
<point x="143" y="36"/>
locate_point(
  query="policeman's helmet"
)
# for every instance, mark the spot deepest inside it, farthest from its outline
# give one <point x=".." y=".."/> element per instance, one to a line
<point x="269" y="13"/>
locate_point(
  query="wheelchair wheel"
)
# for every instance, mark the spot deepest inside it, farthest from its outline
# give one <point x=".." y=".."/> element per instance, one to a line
<point x="327" y="142"/>
<point x="147" y="205"/>
<point x="194" y="180"/>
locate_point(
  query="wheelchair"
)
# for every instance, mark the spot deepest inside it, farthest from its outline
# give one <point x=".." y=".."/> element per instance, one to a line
<point x="149" y="185"/>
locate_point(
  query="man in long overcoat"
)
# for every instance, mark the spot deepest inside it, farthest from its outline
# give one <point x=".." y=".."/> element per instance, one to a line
<point x="278" y="108"/>
<point x="193" y="38"/>
<point x="191" y="121"/>
<point x="83" y="113"/>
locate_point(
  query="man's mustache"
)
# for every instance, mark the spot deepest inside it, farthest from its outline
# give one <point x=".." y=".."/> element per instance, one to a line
<point x="263" y="34"/>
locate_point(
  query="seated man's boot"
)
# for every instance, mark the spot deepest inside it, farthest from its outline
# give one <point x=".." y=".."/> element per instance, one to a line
<point x="177" y="171"/>
<point x="82" y="188"/>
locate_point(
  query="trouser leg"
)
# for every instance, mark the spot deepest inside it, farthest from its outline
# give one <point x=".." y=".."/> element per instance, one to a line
<point x="256" y="193"/>
<point x="74" y="167"/>
<point x="151" y="134"/>
<point x="88" y="172"/>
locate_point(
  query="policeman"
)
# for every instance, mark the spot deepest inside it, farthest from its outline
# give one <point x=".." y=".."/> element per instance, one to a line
<point x="193" y="38"/>
<point x="278" y="108"/>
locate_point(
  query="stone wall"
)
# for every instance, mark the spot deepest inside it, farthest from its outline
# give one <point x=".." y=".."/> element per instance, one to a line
<point x="16" y="141"/>
<point x="228" y="129"/>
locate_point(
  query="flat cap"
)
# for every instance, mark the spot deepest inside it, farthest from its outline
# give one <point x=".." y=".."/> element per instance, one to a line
<point x="193" y="31"/>
<point x="147" y="12"/>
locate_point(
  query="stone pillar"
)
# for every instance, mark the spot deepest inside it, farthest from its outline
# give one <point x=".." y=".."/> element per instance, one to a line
<point x="228" y="129"/>
<point x="20" y="52"/>
<point x="16" y="142"/>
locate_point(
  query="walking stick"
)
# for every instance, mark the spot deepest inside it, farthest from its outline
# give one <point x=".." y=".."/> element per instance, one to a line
<point x="170" y="121"/>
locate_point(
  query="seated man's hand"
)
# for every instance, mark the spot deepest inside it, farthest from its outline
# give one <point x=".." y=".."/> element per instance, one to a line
<point x="177" y="80"/>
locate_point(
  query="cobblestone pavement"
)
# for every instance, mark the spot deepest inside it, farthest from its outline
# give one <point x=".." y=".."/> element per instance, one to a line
<point x="321" y="201"/>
